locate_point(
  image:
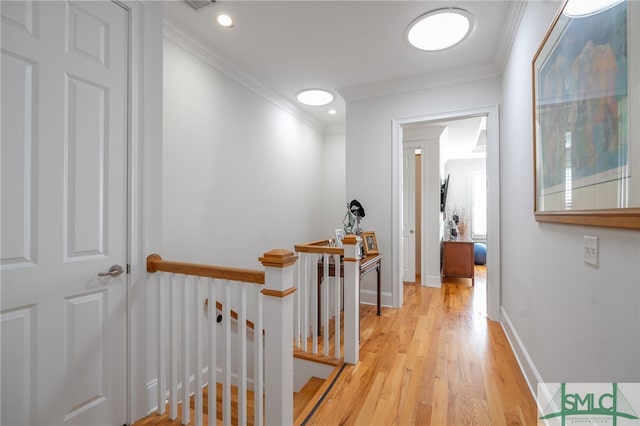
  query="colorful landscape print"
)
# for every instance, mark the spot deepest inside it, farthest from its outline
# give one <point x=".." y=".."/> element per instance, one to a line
<point x="582" y="94"/>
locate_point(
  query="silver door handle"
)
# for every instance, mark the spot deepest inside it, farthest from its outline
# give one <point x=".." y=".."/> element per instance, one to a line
<point x="114" y="271"/>
<point x="411" y="231"/>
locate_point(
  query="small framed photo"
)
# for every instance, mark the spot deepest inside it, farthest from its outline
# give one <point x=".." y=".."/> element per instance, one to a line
<point x="369" y="242"/>
<point x="339" y="237"/>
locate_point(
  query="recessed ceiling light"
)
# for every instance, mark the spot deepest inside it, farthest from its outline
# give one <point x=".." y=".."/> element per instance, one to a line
<point x="332" y="111"/>
<point x="225" y="21"/>
<point x="440" y="29"/>
<point x="314" y="97"/>
<point x="582" y="8"/>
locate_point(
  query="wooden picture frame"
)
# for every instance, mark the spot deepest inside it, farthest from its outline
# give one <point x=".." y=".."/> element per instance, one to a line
<point x="369" y="242"/>
<point x="586" y="144"/>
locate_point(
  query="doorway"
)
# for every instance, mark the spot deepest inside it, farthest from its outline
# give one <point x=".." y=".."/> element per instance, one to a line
<point x="460" y="147"/>
<point x="432" y="220"/>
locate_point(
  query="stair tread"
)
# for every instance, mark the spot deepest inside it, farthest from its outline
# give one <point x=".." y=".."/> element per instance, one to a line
<point x="308" y="391"/>
<point x="300" y="412"/>
<point x="311" y="386"/>
<point x="328" y="360"/>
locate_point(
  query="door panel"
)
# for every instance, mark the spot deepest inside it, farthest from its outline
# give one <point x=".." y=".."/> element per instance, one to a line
<point x="408" y="215"/>
<point x="85" y="166"/>
<point x="18" y="328"/>
<point x="18" y="185"/>
<point x="64" y="210"/>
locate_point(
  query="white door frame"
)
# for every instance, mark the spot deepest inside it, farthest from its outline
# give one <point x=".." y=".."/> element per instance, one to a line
<point x="144" y="177"/>
<point x="493" y="200"/>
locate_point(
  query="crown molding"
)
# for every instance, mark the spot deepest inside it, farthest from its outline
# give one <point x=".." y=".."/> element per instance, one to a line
<point x="188" y="43"/>
<point x="418" y="82"/>
<point x="513" y="16"/>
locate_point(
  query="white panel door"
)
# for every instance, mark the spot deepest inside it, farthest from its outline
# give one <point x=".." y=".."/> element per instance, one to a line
<point x="64" y="209"/>
<point x="408" y="215"/>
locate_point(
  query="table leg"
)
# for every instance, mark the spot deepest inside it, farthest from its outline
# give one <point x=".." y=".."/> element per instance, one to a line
<point x="378" y="289"/>
<point x="319" y="304"/>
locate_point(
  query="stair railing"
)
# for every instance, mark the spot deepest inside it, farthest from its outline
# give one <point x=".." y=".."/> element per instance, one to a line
<point x="193" y="348"/>
<point x="324" y="273"/>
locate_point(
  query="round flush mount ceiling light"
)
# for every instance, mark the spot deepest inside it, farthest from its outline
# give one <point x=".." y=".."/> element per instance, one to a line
<point x="583" y="8"/>
<point x="314" y="97"/>
<point x="440" y="29"/>
<point x="225" y="20"/>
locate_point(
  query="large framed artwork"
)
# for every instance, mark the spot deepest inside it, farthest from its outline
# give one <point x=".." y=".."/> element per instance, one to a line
<point x="586" y="112"/>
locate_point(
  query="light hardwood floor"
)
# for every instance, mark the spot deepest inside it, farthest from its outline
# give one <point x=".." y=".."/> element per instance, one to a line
<point x="437" y="361"/>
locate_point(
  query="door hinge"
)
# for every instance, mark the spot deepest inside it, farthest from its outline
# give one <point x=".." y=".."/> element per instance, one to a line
<point x="128" y="268"/>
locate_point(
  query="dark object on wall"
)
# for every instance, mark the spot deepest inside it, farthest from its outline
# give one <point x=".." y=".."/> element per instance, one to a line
<point x="357" y="211"/>
<point x="356" y="208"/>
<point x="443" y="193"/>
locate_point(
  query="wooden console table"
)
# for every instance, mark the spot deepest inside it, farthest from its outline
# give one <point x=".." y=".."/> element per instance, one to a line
<point x="458" y="258"/>
<point x="367" y="264"/>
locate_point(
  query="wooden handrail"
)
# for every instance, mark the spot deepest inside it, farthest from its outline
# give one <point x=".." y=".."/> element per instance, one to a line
<point x="320" y="246"/>
<point x="155" y="263"/>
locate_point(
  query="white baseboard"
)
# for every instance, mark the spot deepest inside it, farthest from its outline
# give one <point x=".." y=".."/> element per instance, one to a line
<point x="528" y="368"/>
<point x="433" y="281"/>
<point x="152" y="396"/>
<point x="369" y="297"/>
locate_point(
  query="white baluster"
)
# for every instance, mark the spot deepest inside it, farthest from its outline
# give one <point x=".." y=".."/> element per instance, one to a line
<point x="173" y="358"/>
<point x="186" y="350"/>
<point x="325" y="302"/>
<point x="242" y="355"/>
<point x="199" y="311"/>
<point x="313" y="285"/>
<point x="226" y="383"/>
<point x="336" y="304"/>
<point x="296" y="304"/>
<point x="162" y="343"/>
<point x="305" y="301"/>
<point x="211" y="371"/>
<point x="258" y="361"/>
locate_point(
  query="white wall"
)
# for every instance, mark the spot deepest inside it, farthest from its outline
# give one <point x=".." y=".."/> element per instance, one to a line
<point x="335" y="203"/>
<point x="459" y="190"/>
<point x="369" y="154"/>
<point x="431" y="213"/>
<point x="240" y="175"/>
<point x="570" y="322"/>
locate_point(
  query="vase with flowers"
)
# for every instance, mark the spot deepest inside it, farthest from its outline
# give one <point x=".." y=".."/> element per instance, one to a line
<point x="461" y="219"/>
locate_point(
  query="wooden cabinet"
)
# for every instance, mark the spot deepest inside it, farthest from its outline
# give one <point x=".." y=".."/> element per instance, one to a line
<point x="458" y="258"/>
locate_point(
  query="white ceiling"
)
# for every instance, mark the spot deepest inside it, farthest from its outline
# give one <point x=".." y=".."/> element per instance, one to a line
<point x="354" y="48"/>
<point x="466" y="137"/>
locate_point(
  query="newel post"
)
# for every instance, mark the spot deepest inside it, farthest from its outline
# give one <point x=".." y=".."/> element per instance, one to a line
<point x="278" y="326"/>
<point x="351" y="244"/>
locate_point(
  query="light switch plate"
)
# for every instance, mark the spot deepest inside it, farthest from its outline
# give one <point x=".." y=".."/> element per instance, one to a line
<point x="591" y="250"/>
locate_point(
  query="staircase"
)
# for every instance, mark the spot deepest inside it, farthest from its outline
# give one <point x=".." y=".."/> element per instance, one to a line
<point x="304" y="401"/>
<point x="248" y="335"/>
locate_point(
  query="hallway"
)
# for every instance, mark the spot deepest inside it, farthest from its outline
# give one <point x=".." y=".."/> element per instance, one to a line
<point x="437" y="361"/>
